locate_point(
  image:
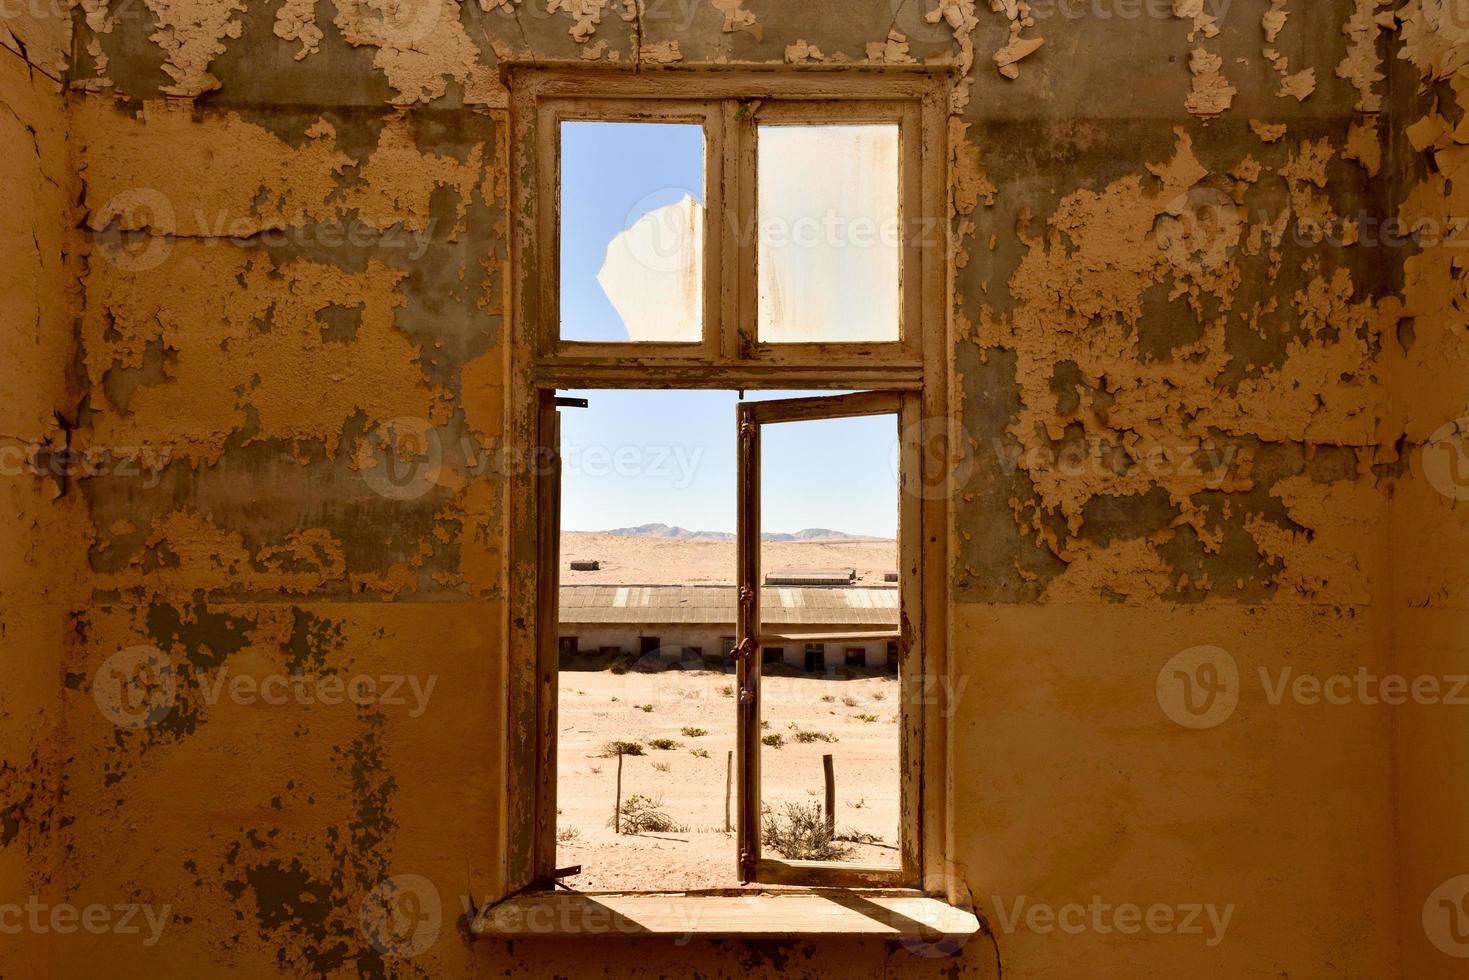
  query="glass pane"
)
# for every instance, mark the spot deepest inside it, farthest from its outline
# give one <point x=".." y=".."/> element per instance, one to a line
<point x="632" y="231"/>
<point x="829" y="515"/>
<point x="829" y="233"/>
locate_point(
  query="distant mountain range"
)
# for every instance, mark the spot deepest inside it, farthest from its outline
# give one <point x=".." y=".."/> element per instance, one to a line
<point x="684" y="534"/>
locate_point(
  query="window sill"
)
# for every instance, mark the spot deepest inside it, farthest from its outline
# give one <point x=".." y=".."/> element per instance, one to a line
<point x="886" y="913"/>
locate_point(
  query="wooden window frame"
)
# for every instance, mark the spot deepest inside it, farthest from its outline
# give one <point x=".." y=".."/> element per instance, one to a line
<point x="730" y="274"/>
<point x="538" y="363"/>
<point x="751" y="636"/>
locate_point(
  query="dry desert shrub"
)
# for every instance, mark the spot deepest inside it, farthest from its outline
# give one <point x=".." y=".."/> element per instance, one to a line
<point x="643" y="815"/>
<point x="799" y="834"/>
<point x="619" y="747"/>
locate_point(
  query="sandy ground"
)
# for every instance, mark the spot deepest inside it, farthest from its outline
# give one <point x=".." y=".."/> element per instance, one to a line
<point x="597" y="706"/>
<point x="656" y="561"/>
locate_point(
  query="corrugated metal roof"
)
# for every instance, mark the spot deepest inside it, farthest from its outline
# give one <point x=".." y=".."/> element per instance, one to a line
<point x="812" y="576"/>
<point x="714" y="605"/>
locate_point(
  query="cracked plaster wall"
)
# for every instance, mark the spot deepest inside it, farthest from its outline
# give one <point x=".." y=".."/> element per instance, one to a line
<point x="41" y="577"/>
<point x="1195" y="388"/>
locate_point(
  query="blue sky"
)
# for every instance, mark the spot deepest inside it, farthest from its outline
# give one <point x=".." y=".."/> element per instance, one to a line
<point x="641" y="457"/>
<point x="611" y="175"/>
<point x="644" y="457"/>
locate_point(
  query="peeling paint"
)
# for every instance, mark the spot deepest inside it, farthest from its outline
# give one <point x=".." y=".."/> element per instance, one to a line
<point x="191" y="33"/>
<point x="1211" y="93"/>
<point x="1175" y="396"/>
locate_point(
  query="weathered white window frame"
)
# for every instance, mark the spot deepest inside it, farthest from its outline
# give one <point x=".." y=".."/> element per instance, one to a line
<point x="729" y="104"/>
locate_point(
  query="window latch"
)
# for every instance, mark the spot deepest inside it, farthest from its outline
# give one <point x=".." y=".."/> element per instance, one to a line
<point x="745" y="648"/>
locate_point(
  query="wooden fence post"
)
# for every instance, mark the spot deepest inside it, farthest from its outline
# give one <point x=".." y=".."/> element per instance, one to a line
<point x="617" y="807"/>
<point x="831" y="795"/>
<point x="728" y="765"/>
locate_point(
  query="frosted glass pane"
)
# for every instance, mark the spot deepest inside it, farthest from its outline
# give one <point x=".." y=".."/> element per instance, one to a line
<point x="829" y="233"/>
<point x="632" y="231"/>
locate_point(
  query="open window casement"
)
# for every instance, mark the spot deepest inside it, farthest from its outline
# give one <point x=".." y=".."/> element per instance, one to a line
<point x="752" y="637"/>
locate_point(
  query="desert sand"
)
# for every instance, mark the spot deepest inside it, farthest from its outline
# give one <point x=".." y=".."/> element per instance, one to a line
<point x="661" y="561"/>
<point x="599" y="706"/>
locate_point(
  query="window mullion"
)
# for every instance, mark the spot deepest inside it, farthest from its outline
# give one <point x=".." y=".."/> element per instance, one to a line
<point x="742" y="222"/>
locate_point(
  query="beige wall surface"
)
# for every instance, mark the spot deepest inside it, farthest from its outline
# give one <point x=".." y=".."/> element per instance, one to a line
<point x="1209" y="503"/>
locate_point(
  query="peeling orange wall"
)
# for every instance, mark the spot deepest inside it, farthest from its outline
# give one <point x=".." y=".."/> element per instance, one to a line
<point x="1196" y="391"/>
<point x="1430" y="498"/>
<point x="42" y="573"/>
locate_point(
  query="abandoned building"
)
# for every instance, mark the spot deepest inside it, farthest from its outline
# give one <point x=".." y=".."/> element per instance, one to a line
<point x="1163" y="306"/>
<point x="682" y="624"/>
